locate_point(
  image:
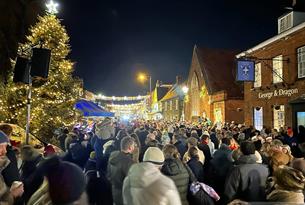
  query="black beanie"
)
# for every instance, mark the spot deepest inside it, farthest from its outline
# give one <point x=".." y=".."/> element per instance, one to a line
<point x="66" y="181"/>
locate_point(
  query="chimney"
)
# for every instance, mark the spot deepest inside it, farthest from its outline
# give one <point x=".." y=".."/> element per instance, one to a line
<point x="178" y="79"/>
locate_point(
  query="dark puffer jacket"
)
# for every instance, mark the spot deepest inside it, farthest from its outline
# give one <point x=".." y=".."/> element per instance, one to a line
<point x="118" y="167"/>
<point x="176" y="170"/>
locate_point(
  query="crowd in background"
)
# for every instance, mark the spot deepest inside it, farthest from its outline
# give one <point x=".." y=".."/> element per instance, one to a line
<point x="157" y="162"/>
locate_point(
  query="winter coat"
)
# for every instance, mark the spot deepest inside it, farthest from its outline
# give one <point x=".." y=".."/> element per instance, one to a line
<point x="219" y="167"/>
<point x="206" y="151"/>
<point x="118" y="167"/>
<point x="98" y="186"/>
<point x="11" y="172"/>
<point x="214" y="140"/>
<point x="247" y="181"/>
<point x="176" y="170"/>
<point x="187" y="157"/>
<point x="5" y="196"/>
<point x="146" y="185"/>
<point x="197" y="168"/>
<point x="31" y="180"/>
<point x="281" y="195"/>
<point x="41" y="196"/>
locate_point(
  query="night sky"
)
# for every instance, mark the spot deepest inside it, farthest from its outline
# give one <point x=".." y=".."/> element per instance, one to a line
<point x="112" y="40"/>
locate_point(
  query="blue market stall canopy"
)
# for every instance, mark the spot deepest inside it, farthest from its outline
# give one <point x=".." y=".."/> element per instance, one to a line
<point x="90" y="109"/>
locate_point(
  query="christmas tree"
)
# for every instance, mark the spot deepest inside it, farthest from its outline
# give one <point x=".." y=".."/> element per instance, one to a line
<point x="53" y="100"/>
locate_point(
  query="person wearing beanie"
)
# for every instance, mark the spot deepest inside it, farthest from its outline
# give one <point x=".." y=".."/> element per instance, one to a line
<point x="7" y="195"/>
<point x="247" y="170"/>
<point x="289" y="186"/>
<point x="66" y="181"/>
<point x="118" y="166"/>
<point x="145" y="184"/>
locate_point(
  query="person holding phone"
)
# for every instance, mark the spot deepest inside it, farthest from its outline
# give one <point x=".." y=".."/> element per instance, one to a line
<point x="7" y="195"/>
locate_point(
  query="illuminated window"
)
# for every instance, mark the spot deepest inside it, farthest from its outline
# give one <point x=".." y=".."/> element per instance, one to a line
<point x="277" y="69"/>
<point x="258" y="118"/>
<point x="170" y="105"/>
<point x="301" y="62"/>
<point x="177" y="104"/>
<point x="278" y="116"/>
<point x="258" y="75"/>
<point x="165" y="106"/>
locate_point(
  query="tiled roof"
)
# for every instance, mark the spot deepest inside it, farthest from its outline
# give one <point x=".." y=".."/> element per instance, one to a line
<point x="218" y="69"/>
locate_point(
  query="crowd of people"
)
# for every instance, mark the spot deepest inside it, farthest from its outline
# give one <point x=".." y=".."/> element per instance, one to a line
<point x="157" y="162"/>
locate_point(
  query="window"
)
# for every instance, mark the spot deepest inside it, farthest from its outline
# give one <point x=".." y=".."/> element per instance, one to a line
<point x="170" y="105"/>
<point x="258" y="75"/>
<point x="301" y="62"/>
<point x="177" y="104"/>
<point x="278" y="116"/>
<point x="258" y="118"/>
<point x="165" y="106"/>
<point x="301" y="118"/>
<point x="277" y="72"/>
<point x="285" y="23"/>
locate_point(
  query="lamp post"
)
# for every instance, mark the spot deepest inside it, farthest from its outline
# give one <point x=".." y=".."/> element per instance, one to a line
<point x="142" y="77"/>
<point x="185" y="90"/>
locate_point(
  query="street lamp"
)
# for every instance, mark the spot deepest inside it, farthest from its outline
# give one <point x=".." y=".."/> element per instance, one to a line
<point x="142" y="77"/>
<point x="185" y="90"/>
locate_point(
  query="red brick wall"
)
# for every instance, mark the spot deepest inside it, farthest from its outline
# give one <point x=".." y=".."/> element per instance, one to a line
<point x="231" y="112"/>
<point x="288" y="48"/>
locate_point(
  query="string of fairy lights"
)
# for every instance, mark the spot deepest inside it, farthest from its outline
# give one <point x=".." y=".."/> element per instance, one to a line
<point x="121" y="98"/>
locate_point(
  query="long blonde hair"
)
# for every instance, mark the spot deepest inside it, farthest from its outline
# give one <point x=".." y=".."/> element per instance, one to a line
<point x="170" y="151"/>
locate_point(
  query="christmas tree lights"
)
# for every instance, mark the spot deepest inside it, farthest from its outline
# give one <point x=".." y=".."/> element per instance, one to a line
<point x="53" y="100"/>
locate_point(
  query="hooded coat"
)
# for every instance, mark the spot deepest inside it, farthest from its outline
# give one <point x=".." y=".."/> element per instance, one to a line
<point x="145" y="184"/>
<point x="118" y="167"/>
<point x="177" y="171"/>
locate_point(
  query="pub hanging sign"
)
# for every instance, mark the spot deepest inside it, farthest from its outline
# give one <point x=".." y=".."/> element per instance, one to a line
<point x="278" y="93"/>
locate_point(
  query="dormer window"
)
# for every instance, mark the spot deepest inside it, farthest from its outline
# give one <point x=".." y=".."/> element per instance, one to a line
<point x="285" y="23"/>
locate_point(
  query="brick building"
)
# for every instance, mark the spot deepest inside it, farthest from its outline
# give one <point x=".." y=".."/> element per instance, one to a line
<point x="277" y="97"/>
<point x="213" y="92"/>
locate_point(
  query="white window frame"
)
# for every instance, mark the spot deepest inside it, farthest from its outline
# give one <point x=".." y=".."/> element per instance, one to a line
<point x="285" y="23"/>
<point x="258" y="118"/>
<point x="177" y="104"/>
<point x="301" y="61"/>
<point x="258" y="75"/>
<point x="279" y="117"/>
<point x="277" y="69"/>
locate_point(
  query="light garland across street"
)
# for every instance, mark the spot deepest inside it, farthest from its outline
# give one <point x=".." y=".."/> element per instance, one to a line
<point x="121" y="98"/>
